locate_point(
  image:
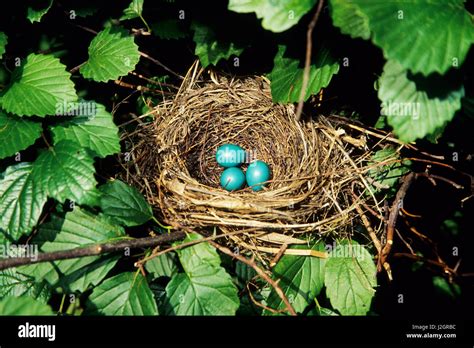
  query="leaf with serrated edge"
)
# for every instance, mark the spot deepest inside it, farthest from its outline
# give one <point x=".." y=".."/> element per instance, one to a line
<point x="350" y="19"/>
<point x="36" y="15"/>
<point x="78" y="228"/>
<point x="124" y="203"/>
<point x="413" y="113"/>
<point x="350" y="278"/>
<point x="209" y="49"/>
<point x="133" y="10"/>
<point x="287" y="78"/>
<point x="21" y="200"/>
<point x="97" y="132"/>
<point x="277" y="16"/>
<point x="112" y="53"/>
<point x="66" y="170"/>
<point x="13" y="283"/>
<point x="300" y="277"/>
<point x="17" y="134"/>
<point x="386" y="168"/>
<point x="163" y="266"/>
<point x="123" y="294"/>
<point x="37" y="87"/>
<point x="205" y="288"/>
<point x="23" y="306"/>
<point x="436" y="34"/>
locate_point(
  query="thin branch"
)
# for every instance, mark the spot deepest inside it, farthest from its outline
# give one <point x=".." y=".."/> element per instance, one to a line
<point x="307" y="63"/>
<point x="260" y="272"/>
<point x="392" y="218"/>
<point x="96" y="249"/>
<point x="440" y="178"/>
<point x="76" y="68"/>
<point x="442" y="265"/>
<point x="260" y="304"/>
<point x="157" y="62"/>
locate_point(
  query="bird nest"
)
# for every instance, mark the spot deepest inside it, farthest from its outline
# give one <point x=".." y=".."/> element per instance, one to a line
<point x="319" y="184"/>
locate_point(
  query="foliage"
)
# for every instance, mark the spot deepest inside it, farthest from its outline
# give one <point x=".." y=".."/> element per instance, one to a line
<point x="61" y="143"/>
<point x="112" y="53"/>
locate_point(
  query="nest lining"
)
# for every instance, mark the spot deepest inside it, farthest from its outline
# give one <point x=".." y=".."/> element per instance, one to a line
<point x="316" y="165"/>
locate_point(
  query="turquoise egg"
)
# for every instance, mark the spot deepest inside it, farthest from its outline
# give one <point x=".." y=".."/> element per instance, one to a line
<point x="232" y="179"/>
<point x="230" y="155"/>
<point x="257" y="173"/>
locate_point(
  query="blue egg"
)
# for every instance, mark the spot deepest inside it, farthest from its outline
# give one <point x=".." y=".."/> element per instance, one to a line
<point x="257" y="173"/>
<point x="230" y="155"/>
<point x="232" y="179"/>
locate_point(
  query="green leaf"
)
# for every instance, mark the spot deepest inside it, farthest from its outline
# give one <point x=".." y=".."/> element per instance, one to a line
<point x="209" y="48"/>
<point x="96" y="132"/>
<point x="436" y="34"/>
<point x="278" y="15"/>
<point x="287" y="78"/>
<point x="168" y="29"/>
<point x="416" y="106"/>
<point x="244" y="273"/>
<point x="201" y="253"/>
<point x="66" y="171"/>
<point x="300" y="277"/>
<point x="21" y="200"/>
<point x="16" y="134"/>
<point x="443" y="287"/>
<point x="205" y="288"/>
<point x="112" y="53"/>
<point x="123" y="294"/>
<point x="350" y="277"/>
<point x="37" y="87"/>
<point x="350" y="19"/>
<point x="163" y="266"/>
<point x="16" y="284"/>
<point x="124" y="203"/>
<point x="387" y="169"/>
<point x="3" y="42"/>
<point x="36" y="15"/>
<point x="77" y="229"/>
<point x="23" y="306"/>
<point x="322" y="312"/>
<point x="133" y="10"/>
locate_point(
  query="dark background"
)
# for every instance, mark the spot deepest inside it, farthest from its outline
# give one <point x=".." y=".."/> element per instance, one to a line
<point x="351" y="92"/>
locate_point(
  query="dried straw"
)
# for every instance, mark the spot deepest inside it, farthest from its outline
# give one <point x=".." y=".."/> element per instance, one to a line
<point x="316" y="165"/>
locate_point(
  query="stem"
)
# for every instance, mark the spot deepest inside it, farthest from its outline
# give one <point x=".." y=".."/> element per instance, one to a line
<point x="96" y="249"/>
<point x="146" y="24"/>
<point x="309" y="46"/>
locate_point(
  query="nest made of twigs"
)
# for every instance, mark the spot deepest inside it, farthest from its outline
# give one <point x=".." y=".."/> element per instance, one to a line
<point x="318" y="165"/>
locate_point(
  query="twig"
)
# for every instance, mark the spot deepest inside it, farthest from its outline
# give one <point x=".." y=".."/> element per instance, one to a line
<point x="96" y="249"/>
<point x="442" y="265"/>
<point x="392" y="218"/>
<point x="261" y="305"/>
<point x="440" y="178"/>
<point x="157" y="253"/>
<point x="309" y="46"/>
<point x="260" y="272"/>
<point x="157" y="62"/>
<point x="76" y="68"/>
<point x="279" y="255"/>
<point x="369" y="228"/>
